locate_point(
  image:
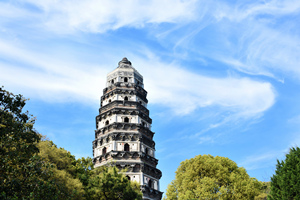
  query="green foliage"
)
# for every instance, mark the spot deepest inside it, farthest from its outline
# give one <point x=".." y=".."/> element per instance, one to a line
<point x="17" y="148"/>
<point x="84" y="168"/>
<point x="285" y="183"/>
<point x="64" y="170"/>
<point x="106" y="183"/>
<point x="23" y="173"/>
<point x="265" y="190"/>
<point x="79" y="180"/>
<point x="61" y="158"/>
<point x="208" y="177"/>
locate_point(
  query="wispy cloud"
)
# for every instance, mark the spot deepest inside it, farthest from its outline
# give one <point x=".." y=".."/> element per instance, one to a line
<point x="100" y="16"/>
<point x="294" y="120"/>
<point x="256" y="48"/>
<point x="50" y="79"/>
<point x="252" y="37"/>
<point x="170" y="85"/>
<point x="248" y="34"/>
<point x="184" y="91"/>
<point x="261" y="161"/>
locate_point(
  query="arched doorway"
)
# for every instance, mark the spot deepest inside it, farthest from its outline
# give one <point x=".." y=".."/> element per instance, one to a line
<point x="126" y="119"/>
<point x="126" y="147"/>
<point x="104" y="151"/>
<point x="150" y="183"/>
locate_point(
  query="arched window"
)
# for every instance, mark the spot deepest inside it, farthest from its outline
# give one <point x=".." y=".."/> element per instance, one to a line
<point x="150" y="183"/>
<point x="126" y="119"/>
<point x="112" y="81"/>
<point x="104" y="151"/>
<point x="125" y="79"/>
<point x="146" y="151"/>
<point x="107" y="122"/>
<point x="126" y="147"/>
<point x="109" y="101"/>
<point x="128" y="177"/>
<point x="125" y="98"/>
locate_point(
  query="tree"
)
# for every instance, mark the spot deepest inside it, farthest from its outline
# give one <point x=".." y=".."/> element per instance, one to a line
<point x="64" y="170"/>
<point x="79" y="180"/>
<point x="265" y="191"/>
<point x="208" y="177"/>
<point x="23" y="174"/>
<point x="84" y="168"/>
<point x="285" y="183"/>
<point x="106" y="183"/>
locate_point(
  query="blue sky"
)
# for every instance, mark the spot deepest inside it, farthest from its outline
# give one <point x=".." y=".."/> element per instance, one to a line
<point x="222" y="76"/>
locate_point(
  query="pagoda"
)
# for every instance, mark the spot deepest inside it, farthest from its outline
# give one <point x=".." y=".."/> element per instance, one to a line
<point x="123" y="135"/>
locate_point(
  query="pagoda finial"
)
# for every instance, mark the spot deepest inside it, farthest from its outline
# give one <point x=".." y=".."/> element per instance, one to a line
<point x="124" y="61"/>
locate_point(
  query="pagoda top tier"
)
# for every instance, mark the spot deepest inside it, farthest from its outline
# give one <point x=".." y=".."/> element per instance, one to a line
<point x="124" y="63"/>
<point x="124" y="73"/>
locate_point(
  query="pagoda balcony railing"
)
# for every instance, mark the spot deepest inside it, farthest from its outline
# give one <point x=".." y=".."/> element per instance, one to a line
<point x="124" y="104"/>
<point x="125" y="85"/>
<point x="124" y="111"/>
<point x="123" y="136"/>
<point x="149" y="192"/>
<point x="125" y="126"/>
<point x="129" y="155"/>
<point x="125" y="92"/>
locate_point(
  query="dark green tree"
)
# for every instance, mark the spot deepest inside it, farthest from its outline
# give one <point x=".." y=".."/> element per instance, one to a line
<point x="285" y="183"/>
<point x="79" y="180"/>
<point x="106" y="183"/>
<point x="23" y="174"/>
<point x="64" y="170"/>
<point x="208" y="177"/>
<point x="84" y="168"/>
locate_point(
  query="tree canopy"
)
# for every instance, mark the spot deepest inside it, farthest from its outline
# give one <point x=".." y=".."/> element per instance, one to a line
<point x="107" y="184"/>
<point x="285" y="183"/>
<point x="82" y="181"/>
<point x="22" y="172"/>
<point x="208" y="177"/>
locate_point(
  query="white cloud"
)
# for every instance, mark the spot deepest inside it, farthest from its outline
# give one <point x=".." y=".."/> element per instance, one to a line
<point x="100" y="16"/>
<point x="264" y="43"/>
<point x="185" y="91"/>
<point x="39" y="75"/>
<point x="258" y="38"/>
<point x="251" y="9"/>
<point x="168" y="84"/>
<point x="248" y="35"/>
<point x="10" y="11"/>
